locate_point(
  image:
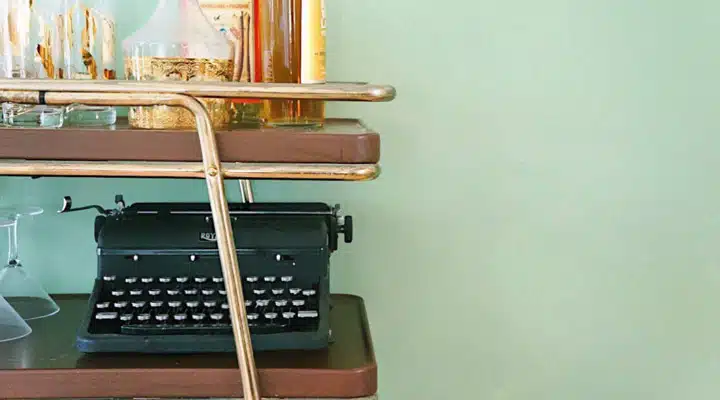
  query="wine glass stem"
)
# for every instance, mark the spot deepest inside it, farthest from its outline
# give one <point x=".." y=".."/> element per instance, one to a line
<point x="13" y="259"/>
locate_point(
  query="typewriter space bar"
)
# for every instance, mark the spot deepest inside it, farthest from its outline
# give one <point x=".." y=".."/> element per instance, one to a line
<point x="168" y="329"/>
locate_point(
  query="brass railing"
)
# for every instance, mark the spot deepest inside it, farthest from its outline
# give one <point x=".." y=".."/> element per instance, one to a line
<point x="185" y="94"/>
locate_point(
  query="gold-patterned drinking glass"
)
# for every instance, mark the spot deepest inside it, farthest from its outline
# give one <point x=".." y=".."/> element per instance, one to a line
<point x="20" y="20"/>
<point x="76" y="41"/>
<point x="178" y="43"/>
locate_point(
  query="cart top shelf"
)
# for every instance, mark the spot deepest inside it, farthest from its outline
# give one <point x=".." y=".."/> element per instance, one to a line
<point x="46" y="364"/>
<point x="340" y="141"/>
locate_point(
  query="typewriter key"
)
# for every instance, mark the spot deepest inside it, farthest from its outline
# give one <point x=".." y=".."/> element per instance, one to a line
<point x="208" y="292"/>
<point x="148" y="279"/>
<point x="222" y="292"/>
<point x="278" y="292"/>
<point x="298" y="303"/>
<point x="156" y="304"/>
<point x="270" y="279"/>
<point x="309" y="292"/>
<point x="103" y="305"/>
<point x="109" y="278"/>
<point x="226" y="306"/>
<point x="253" y="316"/>
<point x="193" y="304"/>
<point x="173" y="292"/>
<point x="218" y="280"/>
<point x="295" y="291"/>
<point x="252" y="279"/>
<point x="286" y="278"/>
<point x="191" y="292"/>
<point x="131" y="280"/>
<point x="216" y="317"/>
<point x="121" y="304"/>
<point x="165" y="279"/>
<point x="154" y="292"/>
<point x="138" y="304"/>
<point x="144" y="317"/>
<point x="126" y="317"/>
<point x="181" y="279"/>
<point x="106" y="315"/>
<point x="180" y="317"/>
<point x="259" y="292"/>
<point x="162" y="317"/>
<point x="198" y="317"/>
<point x="136" y="292"/>
<point x="281" y="303"/>
<point x="118" y="293"/>
<point x="210" y="303"/>
<point x="248" y="303"/>
<point x="289" y="315"/>
<point x="271" y="315"/>
<point x="175" y="304"/>
<point x="200" y="279"/>
<point x="263" y="303"/>
<point x="308" y="314"/>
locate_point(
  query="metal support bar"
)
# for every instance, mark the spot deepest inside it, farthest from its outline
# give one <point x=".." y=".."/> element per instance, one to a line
<point x="327" y="92"/>
<point x="246" y="191"/>
<point x="213" y="173"/>
<point x="160" y="169"/>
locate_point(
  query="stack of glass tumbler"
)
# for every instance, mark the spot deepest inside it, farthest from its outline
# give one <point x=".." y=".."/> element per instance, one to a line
<point x="56" y="39"/>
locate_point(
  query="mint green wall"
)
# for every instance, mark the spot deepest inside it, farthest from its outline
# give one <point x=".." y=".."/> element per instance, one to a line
<point x="547" y="223"/>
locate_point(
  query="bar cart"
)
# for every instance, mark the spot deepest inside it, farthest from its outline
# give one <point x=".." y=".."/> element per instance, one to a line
<point x="46" y="365"/>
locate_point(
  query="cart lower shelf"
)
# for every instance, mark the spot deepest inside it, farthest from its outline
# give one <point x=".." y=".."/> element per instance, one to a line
<point x="47" y="365"/>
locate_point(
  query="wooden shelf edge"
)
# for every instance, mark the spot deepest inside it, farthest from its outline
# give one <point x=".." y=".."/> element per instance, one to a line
<point x="343" y="141"/>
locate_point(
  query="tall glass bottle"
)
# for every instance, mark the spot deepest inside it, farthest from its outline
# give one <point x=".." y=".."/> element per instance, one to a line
<point x="178" y="43"/>
<point x="292" y="50"/>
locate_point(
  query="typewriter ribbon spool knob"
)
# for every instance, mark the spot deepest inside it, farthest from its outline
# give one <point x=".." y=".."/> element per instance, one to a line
<point x="344" y="224"/>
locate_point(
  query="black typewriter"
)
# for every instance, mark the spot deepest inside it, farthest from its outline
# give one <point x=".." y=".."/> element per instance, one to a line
<point x="160" y="288"/>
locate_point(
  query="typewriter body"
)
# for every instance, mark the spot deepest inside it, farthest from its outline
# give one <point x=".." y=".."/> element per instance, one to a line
<point x="160" y="287"/>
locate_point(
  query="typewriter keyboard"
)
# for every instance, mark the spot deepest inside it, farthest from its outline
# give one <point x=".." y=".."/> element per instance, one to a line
<point x="197" y="305"/>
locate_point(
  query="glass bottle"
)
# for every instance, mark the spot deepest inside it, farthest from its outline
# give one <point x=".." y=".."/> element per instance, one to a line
<point x="292" y="50"/>
<point x="20" y="24"/>
<point x="90" y="54"/>
<point x="236" y="19"/>
<point x="178" y="43"/>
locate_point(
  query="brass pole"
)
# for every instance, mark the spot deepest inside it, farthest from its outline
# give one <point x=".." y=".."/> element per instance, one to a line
<point x="190" y="170"/>
<point x="328" y="92"/>
<point x="246" y="191"/>
<point x="218" y="201"/>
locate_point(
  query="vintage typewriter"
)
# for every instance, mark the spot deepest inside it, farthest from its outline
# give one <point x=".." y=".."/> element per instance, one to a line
<point x="160" y="289"/>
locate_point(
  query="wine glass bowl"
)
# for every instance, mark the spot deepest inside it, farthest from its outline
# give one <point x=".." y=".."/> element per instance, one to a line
<point x="20" y="289"/>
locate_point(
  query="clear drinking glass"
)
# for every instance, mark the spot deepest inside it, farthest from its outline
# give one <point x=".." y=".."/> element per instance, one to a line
<point x="18" y="18"/>
<point x="23" y="292"/>
<point x="178" y="43"/>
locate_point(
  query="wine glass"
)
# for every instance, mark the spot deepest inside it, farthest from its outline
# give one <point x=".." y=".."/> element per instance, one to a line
<point x="23" y="292"/>
<point x="12" y="325"/>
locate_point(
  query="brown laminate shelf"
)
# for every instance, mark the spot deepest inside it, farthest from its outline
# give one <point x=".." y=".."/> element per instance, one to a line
<point x="47" y="365"/>
<point x="340" y="141"/>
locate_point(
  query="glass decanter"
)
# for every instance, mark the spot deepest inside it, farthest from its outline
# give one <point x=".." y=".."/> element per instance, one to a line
<point x="178" y="43"/>
<point x="20" y="22"/>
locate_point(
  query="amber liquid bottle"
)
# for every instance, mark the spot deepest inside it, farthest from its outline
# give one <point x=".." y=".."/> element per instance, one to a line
<point x="291" y="49"/>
